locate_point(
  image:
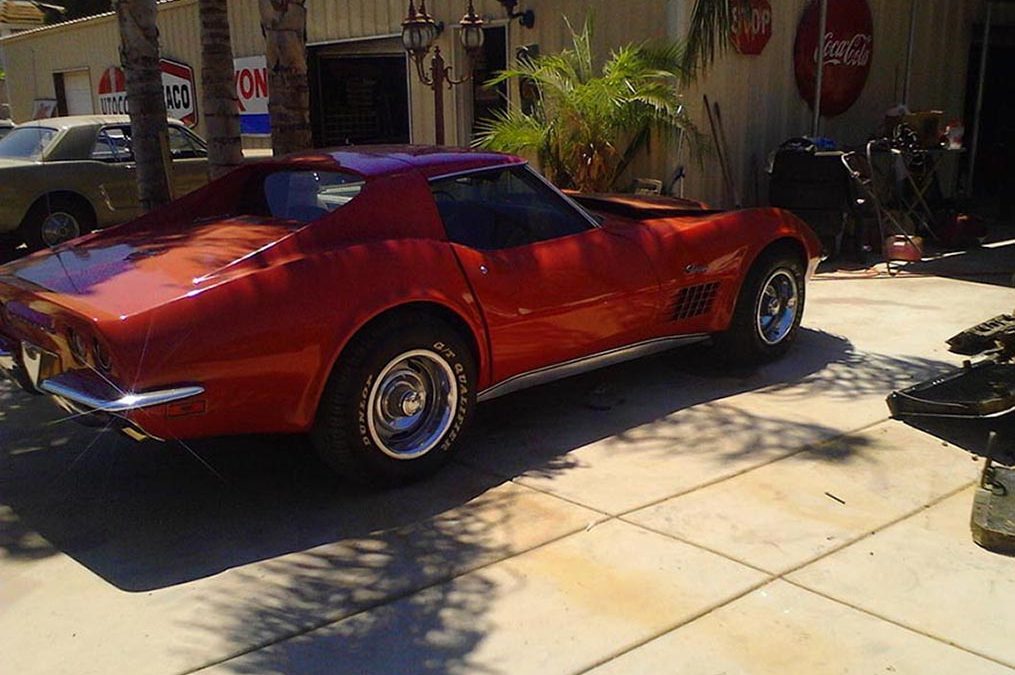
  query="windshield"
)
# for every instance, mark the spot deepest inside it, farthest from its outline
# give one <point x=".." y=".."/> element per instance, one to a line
<point x="26" y="142"/>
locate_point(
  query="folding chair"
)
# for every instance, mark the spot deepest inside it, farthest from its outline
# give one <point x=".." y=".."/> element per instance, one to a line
<point x="872" y="194"/>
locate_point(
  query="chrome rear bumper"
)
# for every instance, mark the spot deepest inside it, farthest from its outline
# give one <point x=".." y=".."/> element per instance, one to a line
<point x="86" y="394"/>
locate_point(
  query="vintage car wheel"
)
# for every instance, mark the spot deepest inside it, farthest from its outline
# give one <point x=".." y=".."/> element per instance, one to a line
<point x="397" y="402"/>
<point x="768" y="312"/>
<point x="55" y="220"/>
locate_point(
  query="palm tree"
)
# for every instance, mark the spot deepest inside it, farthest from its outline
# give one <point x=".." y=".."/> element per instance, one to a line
<point x="708" y="37"/>
<point x="284" y="24"/>
<point x="139" y="56"/>
<point x="221" y="107"/>
<point x="587" y="126"/>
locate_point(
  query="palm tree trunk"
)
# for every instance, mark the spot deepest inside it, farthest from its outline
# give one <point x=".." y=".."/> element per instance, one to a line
<point x="284" y="24"/>
<point x="139" y="56"/>
<point x="219" y="100"/>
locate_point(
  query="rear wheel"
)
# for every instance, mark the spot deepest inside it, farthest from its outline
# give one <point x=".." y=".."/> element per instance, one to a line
<point x="55" y="219"/>
<point x="768" y="312"/>
<point x="397" y="402"/>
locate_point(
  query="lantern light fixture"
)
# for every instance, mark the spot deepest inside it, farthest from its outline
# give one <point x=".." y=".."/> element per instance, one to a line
<point x="419" y="32"/>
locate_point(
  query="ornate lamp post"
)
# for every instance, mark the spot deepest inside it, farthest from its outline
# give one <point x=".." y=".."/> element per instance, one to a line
<point x="419" y="30"/>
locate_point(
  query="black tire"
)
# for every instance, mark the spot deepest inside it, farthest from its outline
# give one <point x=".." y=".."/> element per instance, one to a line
<point x="75" y="212"/>
<point x="350" y="433"/>
<point x="746" y="341"/>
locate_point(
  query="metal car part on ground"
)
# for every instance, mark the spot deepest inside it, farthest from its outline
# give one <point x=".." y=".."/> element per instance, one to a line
<point x="371" y="297"/>
<point x="978" y="403"/>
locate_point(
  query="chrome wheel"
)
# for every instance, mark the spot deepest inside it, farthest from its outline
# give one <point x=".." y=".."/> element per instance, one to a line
<point x="777" y="306"/>
<point x="59" y="227"/>
<point x="412" y="404"/>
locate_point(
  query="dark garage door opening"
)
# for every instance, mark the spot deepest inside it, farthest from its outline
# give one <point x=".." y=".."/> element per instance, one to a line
<point x="358" y="100"/>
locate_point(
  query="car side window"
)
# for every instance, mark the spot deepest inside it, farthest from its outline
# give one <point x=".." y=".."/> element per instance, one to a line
<point x="183" y="146"/>
<point x="504" y="208"/>
<point x="112" y="144"/>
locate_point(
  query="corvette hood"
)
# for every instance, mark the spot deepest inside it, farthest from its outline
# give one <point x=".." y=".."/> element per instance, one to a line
<point x="119" y="273"/>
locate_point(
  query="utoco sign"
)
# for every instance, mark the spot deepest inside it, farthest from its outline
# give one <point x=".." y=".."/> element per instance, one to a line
<point x="177" y="82"/>
<point x="849" y="48"/>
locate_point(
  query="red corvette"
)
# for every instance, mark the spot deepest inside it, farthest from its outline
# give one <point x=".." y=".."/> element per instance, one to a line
<point x="372" y="297"/>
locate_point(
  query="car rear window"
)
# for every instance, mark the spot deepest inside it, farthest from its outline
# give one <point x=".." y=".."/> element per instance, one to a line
<point x="26" y="142"/>
<point x="305" y="196"/>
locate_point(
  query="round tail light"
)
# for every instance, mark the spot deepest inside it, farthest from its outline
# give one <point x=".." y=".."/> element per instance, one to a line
<point x="102" y="358"/>
<point x="78" y="345"/>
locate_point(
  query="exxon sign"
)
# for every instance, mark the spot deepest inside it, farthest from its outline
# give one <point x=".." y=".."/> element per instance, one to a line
<point x="177" y="82"/>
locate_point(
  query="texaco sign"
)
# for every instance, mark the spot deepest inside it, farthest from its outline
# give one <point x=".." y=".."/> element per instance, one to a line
<point x="849" y="47"/>
<point x="177" y="81"/>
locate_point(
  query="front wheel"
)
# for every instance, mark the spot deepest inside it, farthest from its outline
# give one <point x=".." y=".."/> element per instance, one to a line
<point x="767" y="316"/>
<point x="397" y="402"/>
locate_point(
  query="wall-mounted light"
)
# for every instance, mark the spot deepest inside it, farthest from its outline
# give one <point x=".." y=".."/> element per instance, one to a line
<point x="419" y="30"/>
<point x="526" y="18"/>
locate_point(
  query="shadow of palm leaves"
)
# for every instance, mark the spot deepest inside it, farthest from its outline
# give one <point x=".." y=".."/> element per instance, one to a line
<point x="150" y="517"/>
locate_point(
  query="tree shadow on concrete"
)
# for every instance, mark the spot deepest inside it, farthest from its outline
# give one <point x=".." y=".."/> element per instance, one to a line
<point x="684" y="403"/>
<point x="263" y="513"/>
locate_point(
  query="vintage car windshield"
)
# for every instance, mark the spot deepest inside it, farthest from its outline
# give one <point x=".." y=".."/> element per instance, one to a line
<point x="304" y="196"/>
<point x="26" y="142"/>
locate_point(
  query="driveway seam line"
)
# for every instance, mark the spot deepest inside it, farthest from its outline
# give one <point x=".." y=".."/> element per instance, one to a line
<point x="793" y="453"/>
<point x="782" y="577"/>
<point x="620" y="517"/>
<point x="681" y="493"/>
<point x="670" y="629"/>
<point x="897" y="623"/>
<point x="368" y="607"/>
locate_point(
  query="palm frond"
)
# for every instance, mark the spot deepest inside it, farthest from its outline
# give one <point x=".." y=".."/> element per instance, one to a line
<point x="587" y="124"/>
<point x="712" y="23"/>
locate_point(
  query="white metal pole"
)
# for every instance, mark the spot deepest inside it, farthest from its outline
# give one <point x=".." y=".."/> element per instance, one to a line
<point x="979" y="100"/>
<point x="822" y="25"/>
<point x="909" y="54"/>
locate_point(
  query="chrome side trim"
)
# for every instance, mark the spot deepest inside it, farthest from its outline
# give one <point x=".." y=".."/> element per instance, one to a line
<point x="586" y="363"/>
<point x="125" y="403"/>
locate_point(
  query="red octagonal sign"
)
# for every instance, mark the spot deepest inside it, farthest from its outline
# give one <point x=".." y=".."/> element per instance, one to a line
<point x="752" y="29"/>
<point x="849" y="46"/>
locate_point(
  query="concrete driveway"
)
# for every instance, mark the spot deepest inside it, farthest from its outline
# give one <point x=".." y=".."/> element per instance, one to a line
<point x="653" y="517"/>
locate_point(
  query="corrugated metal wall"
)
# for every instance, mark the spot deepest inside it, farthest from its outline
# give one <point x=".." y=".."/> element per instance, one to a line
<point x="761" y="106"/>
<point x="758" y="96"/>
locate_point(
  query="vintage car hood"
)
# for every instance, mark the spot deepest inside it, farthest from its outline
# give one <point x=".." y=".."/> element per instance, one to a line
<point x="119" y="273"/>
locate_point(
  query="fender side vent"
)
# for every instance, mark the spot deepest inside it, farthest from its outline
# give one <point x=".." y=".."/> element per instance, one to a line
<point x="694" y="300"/>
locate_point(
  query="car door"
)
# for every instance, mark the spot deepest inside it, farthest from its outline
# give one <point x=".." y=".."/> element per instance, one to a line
<point x="116" y="173"/>
<point x="190" y="161"/>
<point x="552" y="284"/>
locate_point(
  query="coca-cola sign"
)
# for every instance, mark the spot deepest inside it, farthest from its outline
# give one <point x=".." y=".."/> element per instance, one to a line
<point x="849" y="47"/>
